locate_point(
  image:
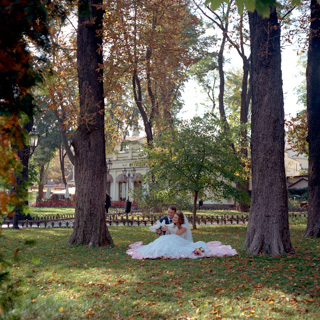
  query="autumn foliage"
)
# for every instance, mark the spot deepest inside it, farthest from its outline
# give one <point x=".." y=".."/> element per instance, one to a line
<point x="147" y="46"/>
<point x="297" y="133"/>
<point x="11" y="140"/>
<point x="23" y="29"/>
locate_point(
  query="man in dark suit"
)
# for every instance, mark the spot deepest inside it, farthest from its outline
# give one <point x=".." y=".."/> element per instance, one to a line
<point x="168" y="219"/>
<point x="108" y="202"/>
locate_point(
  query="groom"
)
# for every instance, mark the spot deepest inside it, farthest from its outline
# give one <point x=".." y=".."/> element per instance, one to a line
<point x="168" y="219"/>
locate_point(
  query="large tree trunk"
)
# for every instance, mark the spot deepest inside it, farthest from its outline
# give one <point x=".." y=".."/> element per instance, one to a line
<point x="268" y="228"/>
<point x="313" y="109"/>
<point x="88" y="142"/>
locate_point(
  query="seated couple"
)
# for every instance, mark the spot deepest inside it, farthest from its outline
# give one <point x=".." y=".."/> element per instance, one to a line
<point x="177" y="241"/>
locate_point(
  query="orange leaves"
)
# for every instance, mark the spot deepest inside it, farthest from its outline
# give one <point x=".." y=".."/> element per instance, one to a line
<point x="147" y="42"/>
<point x="297" y="133"/>
<point x="61" y="85"/>
<point x="10" y="141"/>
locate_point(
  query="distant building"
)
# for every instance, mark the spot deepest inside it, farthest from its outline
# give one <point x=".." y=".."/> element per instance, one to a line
<point x="120" y="186"/>
<point x="127" y="156"/>
<point x="129" y="153"/>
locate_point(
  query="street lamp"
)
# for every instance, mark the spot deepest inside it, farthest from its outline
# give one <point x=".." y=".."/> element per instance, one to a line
<point x="131" y="174"/>
<point x="33" y="140"/>
<point x="28" y="152"/>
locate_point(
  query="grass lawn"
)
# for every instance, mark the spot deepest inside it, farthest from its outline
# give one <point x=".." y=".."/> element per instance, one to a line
<point x="58" y="281"/>
<point x="43" y="211"/>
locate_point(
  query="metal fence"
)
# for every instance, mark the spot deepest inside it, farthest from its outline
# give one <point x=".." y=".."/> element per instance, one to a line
<point x="135" y="219"/>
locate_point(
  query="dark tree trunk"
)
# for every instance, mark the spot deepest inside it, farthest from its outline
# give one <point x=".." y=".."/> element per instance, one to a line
<point x="245" y="98"/>
<point x="61" y="158"/>
<point x="64" y="135"/>
<point x="137" y="92"/>
<point x="21" y="180"/>
<point x="313" y="109"/>
<point x="22" y="177"/>
<point x="194" y="225"/>
<point x="41" y="180"/>
<point x="89" y="142"/>
<point x="268" y="228"/>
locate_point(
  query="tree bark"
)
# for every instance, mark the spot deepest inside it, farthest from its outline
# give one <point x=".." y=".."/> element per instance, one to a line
<point x="245" y="98"/>
<point x="21" y="188"/>
<point x="313" y="112"/>
<point x="40" y="186"/>
<point x="61" y="159"/>
<point x="89" y="142"/>
<point x="138" y="100"/>
<point x="64" y="135"/>
<point x="194" y="220"/>
<point x="268" y="227"/>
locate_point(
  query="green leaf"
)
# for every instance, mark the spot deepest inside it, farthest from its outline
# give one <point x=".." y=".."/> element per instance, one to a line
<point x="214" y="4"/>
<point x="263" y="7"/>
<point x="240" y="7"/>
<point x="249" y="4"/>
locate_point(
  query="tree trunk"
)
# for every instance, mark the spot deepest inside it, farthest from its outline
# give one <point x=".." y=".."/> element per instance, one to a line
<point x="137" y="92"/>
<point x="61" y="158"/>
<point x="313" y="111"/>
<point x="194" y="225"/>
<point x="41" y="180"/>
<point x="21" y="178"/>
<point x="64" y="135"/>
<point x="268" y="228"/>
<point x="242" y="206"/>
<point x="89" y="142"/>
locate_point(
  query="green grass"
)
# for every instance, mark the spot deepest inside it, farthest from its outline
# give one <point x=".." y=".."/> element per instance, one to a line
<point x="69" y="282"/>
<point x="40" y="211"/>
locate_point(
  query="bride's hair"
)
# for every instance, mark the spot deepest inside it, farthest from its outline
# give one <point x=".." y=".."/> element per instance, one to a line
<point x="180" y="217"/>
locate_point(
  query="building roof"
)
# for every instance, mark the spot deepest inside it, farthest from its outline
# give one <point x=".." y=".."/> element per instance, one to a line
<point x="296" y="184"/>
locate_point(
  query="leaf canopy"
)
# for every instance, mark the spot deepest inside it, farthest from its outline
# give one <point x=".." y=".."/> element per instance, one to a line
<point x="196" y="157"/>
<point x="262" y="6"/>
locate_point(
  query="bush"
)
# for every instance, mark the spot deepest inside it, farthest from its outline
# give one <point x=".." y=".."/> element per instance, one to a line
<point x="293" y="204"/>
<point x="157" y="199"/>
<point x="303" y="193"/>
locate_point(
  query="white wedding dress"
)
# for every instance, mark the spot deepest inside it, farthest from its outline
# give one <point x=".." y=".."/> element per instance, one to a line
<point x="175" y="247"/>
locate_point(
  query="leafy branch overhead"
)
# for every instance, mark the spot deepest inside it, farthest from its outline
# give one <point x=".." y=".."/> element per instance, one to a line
<point x="262" y="6"/>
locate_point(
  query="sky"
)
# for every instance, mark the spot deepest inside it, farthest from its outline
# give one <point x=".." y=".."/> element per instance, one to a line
<point x="193" y="96"/>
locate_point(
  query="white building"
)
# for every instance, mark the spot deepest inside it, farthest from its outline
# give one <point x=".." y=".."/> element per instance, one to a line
<point x="120" y="185"/>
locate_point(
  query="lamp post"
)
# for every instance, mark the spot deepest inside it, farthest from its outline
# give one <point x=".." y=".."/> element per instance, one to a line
<point x="33" y="139"/>
<point x="130" y="173"/>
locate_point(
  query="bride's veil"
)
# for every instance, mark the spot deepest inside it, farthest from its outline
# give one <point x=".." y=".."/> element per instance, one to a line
<point x="187" y="226"/>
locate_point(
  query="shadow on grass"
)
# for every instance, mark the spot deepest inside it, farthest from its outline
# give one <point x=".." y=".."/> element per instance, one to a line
<point x="67" y="282"/>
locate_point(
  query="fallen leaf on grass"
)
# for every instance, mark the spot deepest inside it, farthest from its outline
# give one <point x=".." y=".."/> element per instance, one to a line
<point x="16" y="253"/>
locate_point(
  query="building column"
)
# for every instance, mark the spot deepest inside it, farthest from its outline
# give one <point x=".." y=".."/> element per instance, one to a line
<point x="113" y="188"/>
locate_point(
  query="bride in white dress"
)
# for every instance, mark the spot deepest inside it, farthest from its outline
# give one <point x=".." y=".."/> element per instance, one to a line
<point x="178" y="243"/>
